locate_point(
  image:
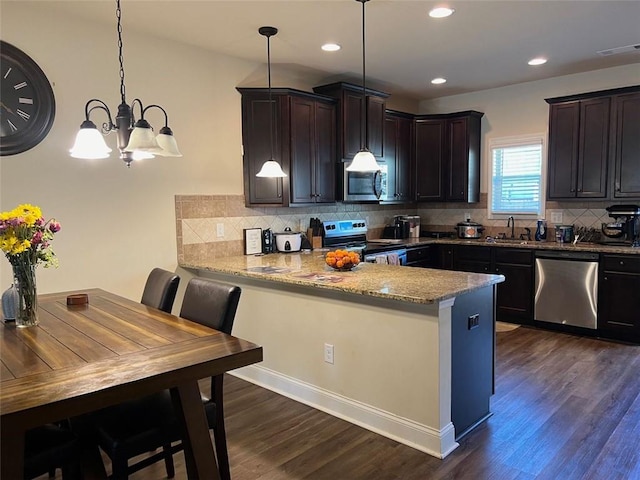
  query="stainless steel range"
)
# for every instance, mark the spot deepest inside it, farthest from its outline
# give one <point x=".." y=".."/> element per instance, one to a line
<point x="352" y="235"/>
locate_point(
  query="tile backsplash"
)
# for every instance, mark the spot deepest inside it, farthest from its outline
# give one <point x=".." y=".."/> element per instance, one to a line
<point x="210" y="226"/>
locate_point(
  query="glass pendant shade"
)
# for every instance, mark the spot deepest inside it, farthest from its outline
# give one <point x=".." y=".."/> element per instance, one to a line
<point x="142" y="139"/>
<point x="167" y="142"/>
<point x="138" y="155"/>
<point x="271" y="169"/>
<point x="89" y="143"/>
<point x="364" y="161"/>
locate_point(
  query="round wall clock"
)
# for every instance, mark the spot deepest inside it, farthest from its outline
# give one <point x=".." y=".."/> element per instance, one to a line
<point x="27" y="104"/>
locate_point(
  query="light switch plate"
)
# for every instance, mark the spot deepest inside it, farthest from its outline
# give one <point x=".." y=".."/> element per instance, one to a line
<point x="220" y="230"/>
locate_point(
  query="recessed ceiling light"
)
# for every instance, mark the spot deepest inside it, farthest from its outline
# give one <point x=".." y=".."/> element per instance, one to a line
<point x="441" y="12"/>
<point x="331" y="47"/>
<point x="439" y="80"/>
<point x="537" y="61"/>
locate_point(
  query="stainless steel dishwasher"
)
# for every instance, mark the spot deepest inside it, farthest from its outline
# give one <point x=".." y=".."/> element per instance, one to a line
<point x="567" y="288"/>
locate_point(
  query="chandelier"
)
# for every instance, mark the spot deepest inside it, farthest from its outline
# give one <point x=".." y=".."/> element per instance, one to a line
<point x="135" y="139"/>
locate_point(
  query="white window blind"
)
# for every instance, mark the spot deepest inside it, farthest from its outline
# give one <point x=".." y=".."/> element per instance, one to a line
<point x="516" y="177"/>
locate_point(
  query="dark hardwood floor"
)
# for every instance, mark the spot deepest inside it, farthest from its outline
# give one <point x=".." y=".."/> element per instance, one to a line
<point x="565" y="408"/>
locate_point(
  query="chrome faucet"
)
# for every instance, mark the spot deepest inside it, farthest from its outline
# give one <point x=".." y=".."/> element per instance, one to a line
<point x="511" y="223"/>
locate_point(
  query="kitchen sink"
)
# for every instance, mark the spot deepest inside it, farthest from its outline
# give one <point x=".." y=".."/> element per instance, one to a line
<point x="509" y="241"/>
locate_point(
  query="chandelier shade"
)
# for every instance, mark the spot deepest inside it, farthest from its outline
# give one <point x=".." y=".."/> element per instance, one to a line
<point x="271" y="169"/>
<point x="142" y="139"/>
<point x="364" y="161"/>
<point x="135" y="139"/>
<point x="89" y="143"/>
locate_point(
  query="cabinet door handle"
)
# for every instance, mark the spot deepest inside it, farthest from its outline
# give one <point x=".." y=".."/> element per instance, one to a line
<point x="318" y="195"/>
<point x="621" y="262"/>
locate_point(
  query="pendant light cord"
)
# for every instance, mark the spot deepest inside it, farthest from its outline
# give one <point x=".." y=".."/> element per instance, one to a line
<point x="270" y="102"/>
<point x="365" y="110"/>
<point x="120" y="56"/>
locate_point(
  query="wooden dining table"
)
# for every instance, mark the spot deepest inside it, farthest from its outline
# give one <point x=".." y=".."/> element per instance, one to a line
<point x="81" y="358"/>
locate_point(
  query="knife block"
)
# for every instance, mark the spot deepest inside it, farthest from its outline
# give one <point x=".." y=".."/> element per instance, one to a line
<point x="316" y="241"/>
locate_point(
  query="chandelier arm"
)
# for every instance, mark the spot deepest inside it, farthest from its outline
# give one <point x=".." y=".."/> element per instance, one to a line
<point x="166" y="117"/>
<point x="106" y="126"/>
<point x="142" y="110"/>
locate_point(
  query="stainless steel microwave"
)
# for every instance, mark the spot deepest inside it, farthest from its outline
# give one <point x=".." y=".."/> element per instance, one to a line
<point x="364" y="186"/>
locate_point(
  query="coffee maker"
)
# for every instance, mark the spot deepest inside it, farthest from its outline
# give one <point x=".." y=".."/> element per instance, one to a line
<point x="626" y="228"/>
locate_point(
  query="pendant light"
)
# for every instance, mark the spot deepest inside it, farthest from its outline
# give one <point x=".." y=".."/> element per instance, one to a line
<point x="136" y="139"/>
<point x="364" y="161"/>
<point x="270" y="168"/>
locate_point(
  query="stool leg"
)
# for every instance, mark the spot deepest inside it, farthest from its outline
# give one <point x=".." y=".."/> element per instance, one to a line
<point x="168" y="461"/>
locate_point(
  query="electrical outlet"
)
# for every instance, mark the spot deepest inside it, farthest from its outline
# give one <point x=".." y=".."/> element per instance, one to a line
<point x="556" y="218"/>
<point x="220" y="230"/>
<point x="473" y="321"/>
<point x="467" y="216"/>
<point x="328" y="353"/>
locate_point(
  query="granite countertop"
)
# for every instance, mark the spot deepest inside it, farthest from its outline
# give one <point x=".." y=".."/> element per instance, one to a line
<point x="406" y="284"/>
<point x="579" y="247"/>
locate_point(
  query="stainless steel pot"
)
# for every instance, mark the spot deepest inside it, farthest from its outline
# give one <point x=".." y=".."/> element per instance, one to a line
<point x="469" y="229"/>
<point x="288" y="241"/>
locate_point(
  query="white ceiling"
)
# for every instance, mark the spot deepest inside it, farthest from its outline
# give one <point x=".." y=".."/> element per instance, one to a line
<point x="485" y="44"/>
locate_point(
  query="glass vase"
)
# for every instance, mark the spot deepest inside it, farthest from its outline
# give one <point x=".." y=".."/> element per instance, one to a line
<point x="27" y="312"/>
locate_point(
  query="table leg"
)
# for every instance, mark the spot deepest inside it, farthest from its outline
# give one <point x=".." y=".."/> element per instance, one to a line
<point x="199" y="455"/>
<point x="11" y="451"/>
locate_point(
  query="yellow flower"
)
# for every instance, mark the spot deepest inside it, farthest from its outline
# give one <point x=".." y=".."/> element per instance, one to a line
<point x="29" y="212"/>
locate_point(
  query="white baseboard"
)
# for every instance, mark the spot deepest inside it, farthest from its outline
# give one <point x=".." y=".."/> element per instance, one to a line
<point x="438" y="443"/>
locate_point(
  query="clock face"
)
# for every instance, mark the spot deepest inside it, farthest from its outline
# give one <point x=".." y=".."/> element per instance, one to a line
<point x="27" y="104"/>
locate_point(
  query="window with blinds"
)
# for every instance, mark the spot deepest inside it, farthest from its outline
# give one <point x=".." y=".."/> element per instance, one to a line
<point x="517" y="176"/>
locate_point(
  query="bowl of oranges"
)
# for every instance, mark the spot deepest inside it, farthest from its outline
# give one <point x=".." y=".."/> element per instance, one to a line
<point x="342" y="259"/>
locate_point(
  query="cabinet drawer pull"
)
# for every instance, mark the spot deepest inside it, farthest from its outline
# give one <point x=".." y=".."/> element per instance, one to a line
<point x="621" y="262"/>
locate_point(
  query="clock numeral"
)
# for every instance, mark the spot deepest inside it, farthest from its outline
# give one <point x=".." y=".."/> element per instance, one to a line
<point x="8" y="71"/>
<point x="20" y="85"/>
<point x="24" y="115"/>
<point x="28" y="101"/>
<point x="12" y="126"/>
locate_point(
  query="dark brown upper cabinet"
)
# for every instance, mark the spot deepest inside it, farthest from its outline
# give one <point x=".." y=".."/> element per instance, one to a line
<point x="447" y="157"/>
<point x="627" y="146"/>
<point x="351" y="125"/>
<point x="594" y="145"/>
<point x="398" y="140"/>
<point x="578" y="148"/>
<point x="304" y="145"/>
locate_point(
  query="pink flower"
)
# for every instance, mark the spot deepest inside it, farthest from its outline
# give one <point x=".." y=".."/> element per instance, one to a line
<point x="37" y="238"/>
<point x="40" y="221"/>
<point x="54" y="226"/>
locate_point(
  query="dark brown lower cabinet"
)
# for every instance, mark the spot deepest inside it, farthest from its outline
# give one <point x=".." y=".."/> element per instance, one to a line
<point x="515" y="295"/>
<point x="424" y="257"/>
<point x="619" y="297"/>
<point x="514" y="299"/>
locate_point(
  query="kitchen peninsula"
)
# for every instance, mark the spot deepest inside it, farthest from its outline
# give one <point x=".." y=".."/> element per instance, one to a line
<point x="405" y="352"/>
